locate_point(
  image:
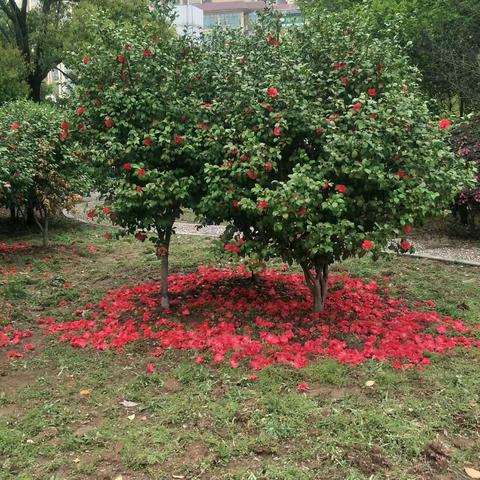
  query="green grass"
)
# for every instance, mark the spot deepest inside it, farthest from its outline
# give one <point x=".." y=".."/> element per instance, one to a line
<point x="204" y="422"/>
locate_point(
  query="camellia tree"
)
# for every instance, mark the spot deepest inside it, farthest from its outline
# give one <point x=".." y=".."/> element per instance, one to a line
<point x="37" y="170"/>
<point x="135" y="118"/>
<point x="320" y="145"/>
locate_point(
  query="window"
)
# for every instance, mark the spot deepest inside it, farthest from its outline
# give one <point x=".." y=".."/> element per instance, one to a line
<point x="230" y="19"/>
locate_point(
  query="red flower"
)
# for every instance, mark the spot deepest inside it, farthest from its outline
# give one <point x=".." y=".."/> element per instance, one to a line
<point x="121" y="58"/>
<point x="303" y="387"/>
<point x="92" y="249"/>
<point x="341" y="188"/>
<point x="405" y="245"/>
<point x="150" y="368"/>
<point x="91" y="214"/>
<point x="147" y="53"/>
<point x="141" y="237"/>
<point x="319" y="131"/>
<point x="368" y="245"/>
<point x="401" y="174"/>
<point x="372" y="92"/>
<point x="243" y="61"/>
<point x="235" y="204"/>
<point x="273" y="41"/>
<point x="444" y="123"/>
<point x="28" y="347"/>
<point x="15" y="126"/>
<point x="80" y="110"/>
<point x="141" y="172"/>
<point x="161" y="251"/>
<point x="262" y="204"/>
<point x="268" y="166"/>
<point x="14" y="355"/>
<point x="407" y="228"/>
<point x="277" y="131"/>
<point x="65" y="125"/>
<point x="380" y="66"/>
<point x="404" y="87"/>
<point x="108" y="122"/>
<point x="272" y="92"/>
<point x="179" y="139"/>
<point x="139" y="189"/>
<point x="340" y="66"/>
<point x="345" y="81"/>
<point x="86" y="60"/>
<point x="63" y="135"/>
<point x="108" y="236"/>
<point x="106" y="210"/>
<point x="244" y="158"/>
<point x="252" y="175"/>
<point x="127" y="166"/>
<point x="147" y="142"/>
<point x="357" y="106"/>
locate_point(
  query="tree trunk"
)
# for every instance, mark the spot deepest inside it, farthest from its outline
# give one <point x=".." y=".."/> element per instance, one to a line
<point x="30" y="219"/>
<point x="317" y="282"/>
<point x="164" y="236"/>
<point x="35" y="88"/>
<point x="13" y="213"/>
<point x="45" y="232"/>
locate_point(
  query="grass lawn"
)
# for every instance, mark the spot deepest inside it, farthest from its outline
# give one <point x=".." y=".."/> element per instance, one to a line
<point x="61" y="415"/>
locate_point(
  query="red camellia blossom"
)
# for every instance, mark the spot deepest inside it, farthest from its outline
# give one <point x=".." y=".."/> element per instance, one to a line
<point x="178" y="139"/>
<point x="141" y="172"/>
<point x="405" y="245"/>
<point x="357" y="107"/>
<point x="108" y="236"/>
<point x="368" y="245"/>
<point x="127" y="166"/>
<point x="80" y="110"/>
<point x="268" y="166"/>
<point x="401" y="174"/>
<point x="63" y="135"/>
<point x="65" y="125"/>
<point x="91" y="214"/>
<point x="121" y="58"/>
<point x="262" y="204"/>
<point x="252" y="174"/>
<point x="147" y="142"/>
<point x="161" y="251"/>
<point x="15" y="126"/>
<point x="341" y="188"/>
<point x="106" y="210"/>
<point x="235" y="204"/>
<point x="404" y="87"/>
<point x="303" y="387"/>
<point x="86" y="60"/>
<point x="141" y="237"/>
<point x="273" y="41"/>
<point x="444" y="123"/>
<point x="380" y="66"/>
<point x="277" y="131"/>
<point x="345" y="81"/>
<point x="272" y="92"/>
<point x="407" y="228"/>
<point x="28" y="347"/>
<point x="147" y="53"/>
<point x="150" y="368"/>
<point x="108" y="122"/>
<point x="92" y="249"/>
<point x="340" y="66"/>
<point x="139" y="189"/>
<point x="372" y="92"/>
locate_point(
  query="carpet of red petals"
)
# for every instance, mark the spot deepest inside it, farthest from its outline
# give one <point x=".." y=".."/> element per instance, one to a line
<point x="10" y="338"/>
<point x="223" y="316"/>
<point x="9" y="248"/>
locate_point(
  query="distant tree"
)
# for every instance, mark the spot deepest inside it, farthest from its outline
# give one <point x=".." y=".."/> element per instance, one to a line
<point x="12" y="75"/>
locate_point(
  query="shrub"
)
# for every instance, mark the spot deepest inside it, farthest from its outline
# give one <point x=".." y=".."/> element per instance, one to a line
<point x="466" y="142"/>
<point x="37" y="170"/>
<point x="319" y="145"/>
<point x="135" y="118"/>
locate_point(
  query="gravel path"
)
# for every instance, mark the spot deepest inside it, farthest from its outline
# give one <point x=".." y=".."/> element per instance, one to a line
<point x="444" y="249"/>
